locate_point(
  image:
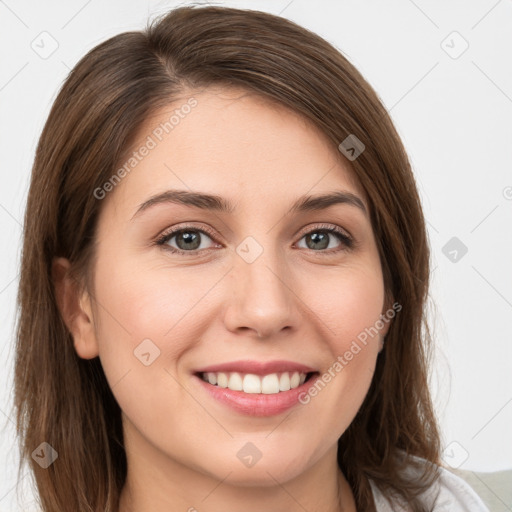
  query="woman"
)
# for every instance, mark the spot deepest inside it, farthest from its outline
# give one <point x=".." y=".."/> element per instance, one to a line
<point x="224" y="273"/>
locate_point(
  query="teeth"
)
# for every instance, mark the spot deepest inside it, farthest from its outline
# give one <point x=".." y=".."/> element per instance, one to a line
<point x="294" y="380"/>
<point x="250" y="383"/>
<point x="270" y="384"/>
<point x="284" y="382"/>
<point x="235" y="382"/>
<point x="222" y="380"/>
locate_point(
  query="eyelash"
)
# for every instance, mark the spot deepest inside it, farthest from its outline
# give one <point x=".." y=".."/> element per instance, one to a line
<point x="345" y="239"/>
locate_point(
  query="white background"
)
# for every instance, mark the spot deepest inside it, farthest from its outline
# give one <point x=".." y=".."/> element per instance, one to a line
<point x="454" y="116"/>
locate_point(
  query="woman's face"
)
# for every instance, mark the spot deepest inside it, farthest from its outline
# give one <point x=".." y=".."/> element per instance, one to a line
<point x="260" y="297"/>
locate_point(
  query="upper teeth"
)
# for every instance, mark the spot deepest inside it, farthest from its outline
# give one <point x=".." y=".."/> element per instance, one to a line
<point x="250" y="383"/>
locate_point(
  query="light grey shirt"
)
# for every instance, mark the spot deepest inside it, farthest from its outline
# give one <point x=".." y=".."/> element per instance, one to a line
<point x="453" y="495"/>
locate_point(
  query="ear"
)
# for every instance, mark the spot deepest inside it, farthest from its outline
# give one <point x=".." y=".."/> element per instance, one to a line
<point x="75" y="309"/>
<point x="388" y="317"/>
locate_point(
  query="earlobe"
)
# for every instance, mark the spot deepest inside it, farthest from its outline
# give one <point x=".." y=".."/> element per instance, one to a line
<point x="387" y="315"/>
<point x="387" y="324"/>
<point x="75" y="309"/>
<point x="382" y="341"/>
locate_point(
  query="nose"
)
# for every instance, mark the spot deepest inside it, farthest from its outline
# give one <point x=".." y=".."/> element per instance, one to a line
<point x="262" y="298"/>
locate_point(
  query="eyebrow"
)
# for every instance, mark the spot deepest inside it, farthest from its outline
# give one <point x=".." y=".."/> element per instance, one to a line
<point x="217" y="203"/>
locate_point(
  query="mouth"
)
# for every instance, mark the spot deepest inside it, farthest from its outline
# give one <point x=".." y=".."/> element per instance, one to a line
<point x="250" y="383"/>
<point x="255" y="388"/>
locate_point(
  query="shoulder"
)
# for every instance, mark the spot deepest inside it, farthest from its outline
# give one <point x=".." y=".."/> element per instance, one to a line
<point x="450" y="493"/>
<point x="456" y="494"/>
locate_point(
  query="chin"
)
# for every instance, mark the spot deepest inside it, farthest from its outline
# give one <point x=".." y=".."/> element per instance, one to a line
<point x="263" y="470"/>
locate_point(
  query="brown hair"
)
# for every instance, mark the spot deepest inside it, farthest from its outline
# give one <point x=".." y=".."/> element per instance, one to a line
<point x="65" y="400"/>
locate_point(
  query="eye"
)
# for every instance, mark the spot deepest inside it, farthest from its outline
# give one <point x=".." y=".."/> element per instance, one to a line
<point x="187" y="240"/>
<point x="319" y="239"/>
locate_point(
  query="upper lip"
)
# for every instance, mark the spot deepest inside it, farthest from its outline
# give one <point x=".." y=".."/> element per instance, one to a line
<point x="257" y="367"/>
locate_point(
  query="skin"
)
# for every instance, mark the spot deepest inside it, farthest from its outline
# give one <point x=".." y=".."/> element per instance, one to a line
<point x="293" y="303"/>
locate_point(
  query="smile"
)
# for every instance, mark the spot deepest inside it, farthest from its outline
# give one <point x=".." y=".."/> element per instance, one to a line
<point x="256" y="388"/>
<point x="270" y="384"/>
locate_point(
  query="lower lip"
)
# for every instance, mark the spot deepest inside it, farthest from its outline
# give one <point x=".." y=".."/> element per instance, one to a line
<point x="257" y="404"/>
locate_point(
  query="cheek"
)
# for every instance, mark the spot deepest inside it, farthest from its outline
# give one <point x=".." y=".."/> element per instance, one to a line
<point x="349" y="302"/>
<point x="144" y="328"/>
<point x="153" y="303"/>
<point x="349" y="305"/>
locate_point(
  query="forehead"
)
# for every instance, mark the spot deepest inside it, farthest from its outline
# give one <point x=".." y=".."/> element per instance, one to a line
<point x="233" y="143"/>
